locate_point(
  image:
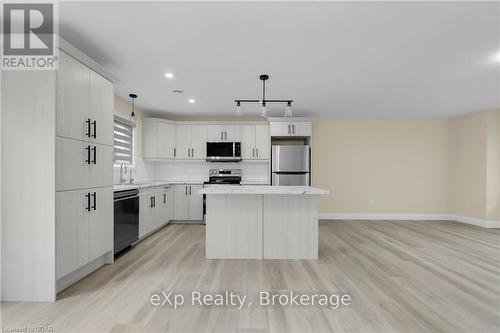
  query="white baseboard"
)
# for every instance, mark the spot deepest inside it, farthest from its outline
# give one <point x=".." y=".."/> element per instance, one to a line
<point x="412" y="217"/>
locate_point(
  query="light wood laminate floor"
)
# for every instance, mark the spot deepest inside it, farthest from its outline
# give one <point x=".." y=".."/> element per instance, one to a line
<point x="402" y="276"/>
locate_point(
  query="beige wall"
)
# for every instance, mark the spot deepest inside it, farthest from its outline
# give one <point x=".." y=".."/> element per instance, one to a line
<point x="381" y="165"/>
<point x="422" y="166"/>
<point x="474" y="167"/>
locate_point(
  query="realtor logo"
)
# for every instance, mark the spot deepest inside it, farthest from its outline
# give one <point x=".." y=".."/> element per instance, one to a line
<point x="29" y="36"/>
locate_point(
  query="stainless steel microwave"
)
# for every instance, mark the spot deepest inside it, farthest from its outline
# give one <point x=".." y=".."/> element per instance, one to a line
<point x="223" y="151"/>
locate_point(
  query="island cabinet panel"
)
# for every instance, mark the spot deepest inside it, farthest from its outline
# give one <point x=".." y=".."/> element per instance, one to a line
<point x="234" y="227"/>
<point x="291" y="227"/>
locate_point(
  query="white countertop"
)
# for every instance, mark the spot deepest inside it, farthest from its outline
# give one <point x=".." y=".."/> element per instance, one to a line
<point x="262" y="189"/>
<point x="145" y="185"/>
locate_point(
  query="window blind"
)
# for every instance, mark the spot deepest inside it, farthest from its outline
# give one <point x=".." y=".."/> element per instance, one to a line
<point x="123" y="134"/>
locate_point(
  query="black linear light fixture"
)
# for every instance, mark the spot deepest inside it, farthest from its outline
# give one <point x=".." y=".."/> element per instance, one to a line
<point x="263" y="102"/>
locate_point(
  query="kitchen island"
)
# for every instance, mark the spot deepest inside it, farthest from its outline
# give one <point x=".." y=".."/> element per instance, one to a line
<point x="262" y="222"/>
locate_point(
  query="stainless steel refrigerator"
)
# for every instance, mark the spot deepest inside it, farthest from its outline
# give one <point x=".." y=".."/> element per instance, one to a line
<point x="290" y="165"/>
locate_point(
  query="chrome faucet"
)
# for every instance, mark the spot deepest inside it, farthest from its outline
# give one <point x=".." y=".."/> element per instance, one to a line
<point x="122" y="180"/>
<point x="131" y="177"/>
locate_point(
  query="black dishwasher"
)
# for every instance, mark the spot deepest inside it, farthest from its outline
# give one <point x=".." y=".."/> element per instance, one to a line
<point x="126" y="220"/>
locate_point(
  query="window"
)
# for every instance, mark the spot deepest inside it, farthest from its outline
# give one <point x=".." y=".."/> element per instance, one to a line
<point x="123" y="140"/>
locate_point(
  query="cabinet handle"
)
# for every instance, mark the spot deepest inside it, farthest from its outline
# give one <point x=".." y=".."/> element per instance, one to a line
<point x="88" y="127"/>
<point x="88" y="154"/>
<point x="94" y="207"/>
<point x="164" y="198"/>
<point x="192" y="152"/>
<point x="293" y="128"/>
<point x="88" y="202"/>
<point x="289" y="129"/>
<point x="225" y="135"/>
<point x="257" y="152"/>
<point x="189" y="152"/>
<point x="186" y="188"/>
<point x="253" y="152"/>
<point x="221" y="136"/>
<point x="189" y="189"/>
<point x="174" y="152"/>
<point x="94" y="124"/>
<point x="94" y="150"/>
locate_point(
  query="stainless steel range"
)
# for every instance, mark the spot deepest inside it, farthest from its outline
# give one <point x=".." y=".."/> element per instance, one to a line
<point x="229" y="177"/>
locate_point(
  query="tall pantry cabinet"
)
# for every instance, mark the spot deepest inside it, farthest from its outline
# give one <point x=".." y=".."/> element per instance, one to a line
<point x="56" y="175"/>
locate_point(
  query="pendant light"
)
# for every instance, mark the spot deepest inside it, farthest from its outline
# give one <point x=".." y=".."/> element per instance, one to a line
<point x="263" y="112"/>
<point x="288" y="109"/>
<point x="238" y="108"/>
<point x="133" y="96"/>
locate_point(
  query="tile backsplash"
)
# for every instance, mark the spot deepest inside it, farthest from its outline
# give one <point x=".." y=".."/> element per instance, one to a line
<point x="191" y="170"/>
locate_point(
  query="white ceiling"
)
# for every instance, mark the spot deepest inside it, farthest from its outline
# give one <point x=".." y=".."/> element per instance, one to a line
<point x="332" y="58"/>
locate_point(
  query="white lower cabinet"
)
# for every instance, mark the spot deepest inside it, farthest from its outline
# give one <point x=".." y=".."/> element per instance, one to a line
<point x="188" y="203"/>
<point x="155" y="209"/>
<point x="84" y="228"/>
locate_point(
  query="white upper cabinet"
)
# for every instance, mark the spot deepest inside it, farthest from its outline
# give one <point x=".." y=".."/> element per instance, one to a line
<point x="199" y="142"/>
<point x="291" y="128"/>
<point x="191" y="142"/>
<point x="248" y="142"/>
<point x="262" y="142"/>
<point x="215" y="133"/>
<point x="72" y="114"/>
<point x="231" y="133"/>
<point x="254" y="142"/>
<point x="84" y="103"/>
<point x="101" y="109"/>
<point x="158" y="140"/>
<point x="166" y="140"/>
<point x="183" y="142"/>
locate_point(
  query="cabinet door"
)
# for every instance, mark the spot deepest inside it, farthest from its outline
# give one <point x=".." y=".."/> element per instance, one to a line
<point x="101" y="222"/>
<point x="301" y="128"/>
<point x="280" y="129"/>
<point x="199" y="142"/>
<point x="160" y="209"/>
<point x="72" y="164"/>
<point x="149" y="139"/>
<point x="101" y="109"/>
<point x="183" y="142"/>
<point x="166" y="140"/>
<point x="171" y="203"/>
<point x="145" y="214"/>
<point x="72" y="231"/>
<point x="262" y="142"/>
<point x="72" y="98"/>
<point x="101" y="165"/>
<point x="215" y="133"/>
<point x="181" y="202"/>
<point x="195" y="203"/>
<point x="248" y="142"/>
<point x="232" y="133"/>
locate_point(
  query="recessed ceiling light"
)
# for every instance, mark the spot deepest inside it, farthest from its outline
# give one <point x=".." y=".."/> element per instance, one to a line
<point x="191" y="100"/>
<point x="169" y="75"/>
